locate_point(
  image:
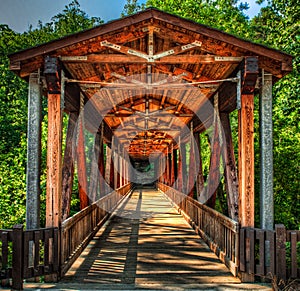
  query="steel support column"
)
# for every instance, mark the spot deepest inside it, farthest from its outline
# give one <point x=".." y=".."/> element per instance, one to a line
<point x="266" y="154"/>
<point x="33" y="153"/>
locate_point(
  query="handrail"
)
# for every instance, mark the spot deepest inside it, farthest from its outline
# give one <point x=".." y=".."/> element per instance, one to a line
<point x="219" y="231"/>
<point x="26" y="254"/>
<point x="78" y="230"/>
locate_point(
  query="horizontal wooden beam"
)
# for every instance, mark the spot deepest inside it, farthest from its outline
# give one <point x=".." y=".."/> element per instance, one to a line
<point x="178" y="59"/>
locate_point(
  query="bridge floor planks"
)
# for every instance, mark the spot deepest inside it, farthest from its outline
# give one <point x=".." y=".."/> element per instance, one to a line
<point x="146" y="243"/>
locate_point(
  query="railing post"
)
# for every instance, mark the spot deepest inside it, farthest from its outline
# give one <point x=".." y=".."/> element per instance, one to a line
<point x="280" y="251"/>
<point x="17" y="258"/>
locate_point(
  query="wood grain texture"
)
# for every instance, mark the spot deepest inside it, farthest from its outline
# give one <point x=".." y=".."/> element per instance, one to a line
<point x="147" y="242"/>
<point x="54" y="161"/>
<point x="246" y="161"/>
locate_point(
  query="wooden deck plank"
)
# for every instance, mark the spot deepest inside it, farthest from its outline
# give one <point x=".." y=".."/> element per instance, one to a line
<point x="146" y="243"/>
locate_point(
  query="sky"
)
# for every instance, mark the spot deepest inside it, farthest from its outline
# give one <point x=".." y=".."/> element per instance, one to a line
<point x="20" y="14"/>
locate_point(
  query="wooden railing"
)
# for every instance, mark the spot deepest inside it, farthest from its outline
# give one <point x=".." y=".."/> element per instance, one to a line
<point x="218" y="231"/>
<point x="270" y="253"/>
<point x="78" y="230"/>
<point x="27" y="254"/>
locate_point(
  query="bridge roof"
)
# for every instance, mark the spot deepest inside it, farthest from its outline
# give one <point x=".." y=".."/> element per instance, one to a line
<point x="150" y="74"/>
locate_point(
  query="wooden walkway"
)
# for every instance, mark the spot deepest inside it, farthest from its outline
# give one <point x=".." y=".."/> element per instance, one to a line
<point x="146" y="244"/>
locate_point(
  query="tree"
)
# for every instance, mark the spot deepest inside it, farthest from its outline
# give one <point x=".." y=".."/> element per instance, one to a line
<point x="226" y="15"/>
<point x="131" y="7"/>
<point x="278" y="25"/>
<point x="13" y="109"/>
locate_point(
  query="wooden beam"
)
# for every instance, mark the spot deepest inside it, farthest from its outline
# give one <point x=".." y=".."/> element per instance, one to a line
<point x="200" y="178"/>
<point x="231" y="175"/>
<point x="54" y="161"/>
<point x="192" y="166"/>
<point x="129" y="59"/>
<point x="181" y="179"/>
<point x="81" y="169"/>
<point x="213" y="180"/>
<point x="250" y="70"/>
<point x="68" y="167"/>
<point x="246" y="161"/>
<point x="101" y="168"/>
<point x="94" y="174"/>
<point x="54" y="150"/>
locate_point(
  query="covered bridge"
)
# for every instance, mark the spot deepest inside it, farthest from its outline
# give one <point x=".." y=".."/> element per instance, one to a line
<point x="145" y="86"/>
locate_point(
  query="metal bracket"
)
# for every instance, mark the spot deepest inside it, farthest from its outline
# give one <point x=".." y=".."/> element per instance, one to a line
<point x="196" y="43"/>
<point x="150" y="57"/>
<point x="110" y="45"/>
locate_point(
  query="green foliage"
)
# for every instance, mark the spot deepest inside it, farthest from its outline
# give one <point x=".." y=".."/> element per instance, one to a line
<point x="226" y="15"/>
<point x="278" y="26"/>
<point x="13" y="111"/>
<point x="131" y="7"/>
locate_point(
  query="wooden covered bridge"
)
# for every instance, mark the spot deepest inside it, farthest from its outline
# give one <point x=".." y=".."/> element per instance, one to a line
<point x="137" y="93"/>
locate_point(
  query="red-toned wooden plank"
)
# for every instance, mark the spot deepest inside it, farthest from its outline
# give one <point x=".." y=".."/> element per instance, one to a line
<point x="28" y="254"/>
<point x="68" y="167"/>
<point x="17" y="259"/>
<point x="293" y="239"/>
<point x="280" y="251"/>
<point x="81" y="169"/>
<point x="260" y="269"/>
<point x="55" y="250"/>
<point x="47" y="249"/>
<point x="54" y="161"/>
<point x="270" y="260"/>
<point x="37" y="238"/>
<point x="231" y="176"/>
<point x="246" y="161"/>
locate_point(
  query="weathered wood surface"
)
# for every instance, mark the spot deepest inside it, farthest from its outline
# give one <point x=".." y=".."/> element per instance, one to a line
<point x="217" y="230"/>
<point x="68" y="166"/>
<point x="230" y="168"/>
<point x="54" y="161"/>
<point x="246" y="161"/>
<point x="27" y="254"/>
<point x="81" y="168"/>
<point x="266" y="252"/>
<point x="77" y="231"/>
<point x="147" y="241"/>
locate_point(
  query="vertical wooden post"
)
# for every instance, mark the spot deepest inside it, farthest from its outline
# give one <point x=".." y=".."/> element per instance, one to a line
<point x="101" y="168"/>
<point x="200" y="178"/>
<point x="214" y="168"/>
<point x="246" y="161"/>
<point x="68" y="166"/>
<point x="54" y="161"/>
<point x="33" y="152"/>
<point x="266" y="154"/>
<point x="231" y="176"/>
<point x="181" y="179"/>
<point x="54" y="150"/>
<point x="94" y="174"/>
<point x="172" y="168"/>
<point x="192" y="166"/>
<point x="81" y="169"/>
<point x="108" y="164"/>
<point x="17" y="259"/>
<point x="175" y="164"/>
<point x="112" y="179"/>
<point x="117" y="168"/>
<point x="167" y="168"/>
<point x="280" y="251"/>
